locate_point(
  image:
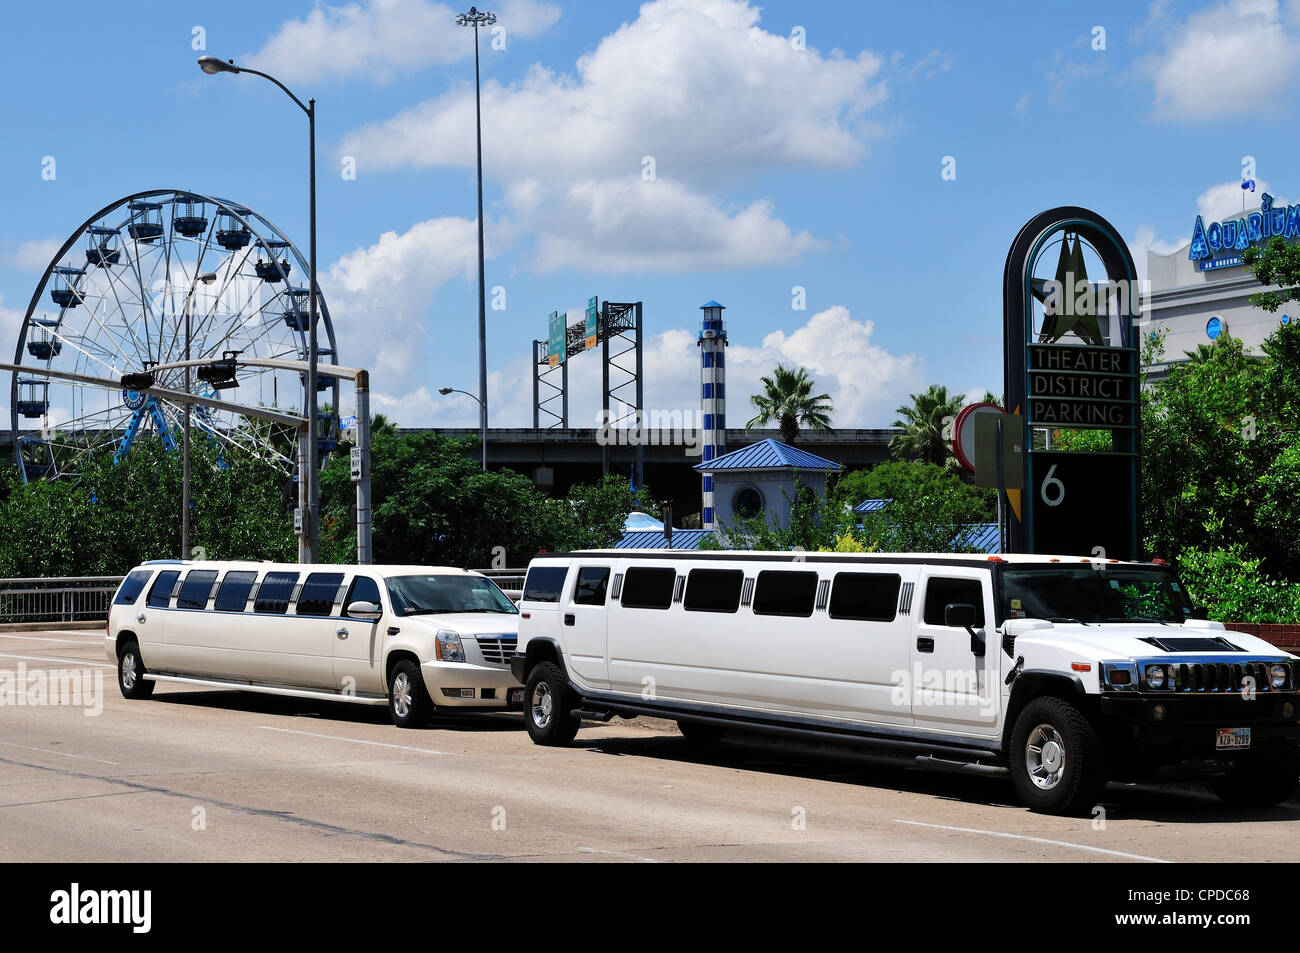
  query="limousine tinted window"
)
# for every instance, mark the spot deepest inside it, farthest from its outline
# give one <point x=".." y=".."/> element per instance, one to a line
<point x="781" y="592"/>
<point x="363" y="589"/>
<point x="160" y="593"/>
<point x="131" y="587"/>
<point x="275" y="591"/>
<point x="593" y="581"/>
<point x="939" y="592"/>
<point x="317" y="596"/>
<point x="714" y="590"/>
<point x="235" y="587"/>
<point x="195" y="589"/>
<point x="544" y="583"/>
<point x="865" y="596"/>
<point x="648" y="588"/>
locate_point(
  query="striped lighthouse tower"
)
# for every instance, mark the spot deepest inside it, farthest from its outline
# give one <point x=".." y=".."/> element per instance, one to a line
<point x="713" y="396"/>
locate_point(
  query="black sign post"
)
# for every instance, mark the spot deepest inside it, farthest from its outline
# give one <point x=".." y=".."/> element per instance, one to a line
<point x="1072" y="364"/>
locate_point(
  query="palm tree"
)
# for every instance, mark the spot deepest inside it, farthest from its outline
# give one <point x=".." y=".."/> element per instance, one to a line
<point x="927" y="425"/>
<point x="787" y="399"/>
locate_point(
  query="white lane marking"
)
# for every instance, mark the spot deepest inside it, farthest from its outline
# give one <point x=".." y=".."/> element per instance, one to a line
<point x="359" y="741"/>
<point x="49" y="658"/>
<point x="65" y="754"/>
<point x="37" y="638"/>
<point x="619" y="853"/>
<point x="1036" y="840"/>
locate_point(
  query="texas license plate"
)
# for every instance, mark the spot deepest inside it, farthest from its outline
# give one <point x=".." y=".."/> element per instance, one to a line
<point x="517" y="698"/>
<point x="1232" y="739"/>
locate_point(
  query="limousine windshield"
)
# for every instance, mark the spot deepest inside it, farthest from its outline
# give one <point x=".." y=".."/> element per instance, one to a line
<point x="433" y="595"/>
<point x="1093" y="593"/>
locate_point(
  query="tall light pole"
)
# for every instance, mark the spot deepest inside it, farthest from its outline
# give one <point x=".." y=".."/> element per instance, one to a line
<point x="475" y="18"/>
<point x="444" y="391"/>
<point x="207" y="278"/>
<point x="309" y="474"/>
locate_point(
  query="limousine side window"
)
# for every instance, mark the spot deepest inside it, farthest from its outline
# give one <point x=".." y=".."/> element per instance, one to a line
<point x="645" y="587"/>
<point x="274" y="594"/>
<point x="781" y="592"/>
<point x="593" y="581"/>
<point x="544" y="583"/>
<point x="363" y="589"/>
<point x="235" y="587"/>
<point x="196" y="589"/>
<point x="714" y="590"/>
<point x="160" y="593"/>
<point x="865" y="596"/>
<point x="131" y="587"/>
<point x="317" y="596"/>
<point x="939" y="592"/>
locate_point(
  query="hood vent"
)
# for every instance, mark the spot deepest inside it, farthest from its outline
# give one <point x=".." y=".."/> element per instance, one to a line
<point x="1192" y="644"/>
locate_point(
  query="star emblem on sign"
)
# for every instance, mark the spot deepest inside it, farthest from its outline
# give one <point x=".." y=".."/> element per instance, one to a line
<point x="1062" y="314"/>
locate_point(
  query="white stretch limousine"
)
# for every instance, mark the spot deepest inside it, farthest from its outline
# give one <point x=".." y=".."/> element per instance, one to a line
<point x="1068" y="671"/>
<point x="416" y="637"/>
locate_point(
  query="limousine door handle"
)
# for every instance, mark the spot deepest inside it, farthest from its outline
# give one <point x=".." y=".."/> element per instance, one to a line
<point x="342" y="633"/>
<point x="925" y="644"/>
<point x="569" y="619"/>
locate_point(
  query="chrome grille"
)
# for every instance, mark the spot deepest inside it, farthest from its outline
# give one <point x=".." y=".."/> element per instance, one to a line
<point x="497" y="649"/>
<point x="1219" y="676"/>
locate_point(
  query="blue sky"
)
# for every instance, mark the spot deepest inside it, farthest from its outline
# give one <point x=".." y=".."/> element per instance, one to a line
<point x="774" y="167"/>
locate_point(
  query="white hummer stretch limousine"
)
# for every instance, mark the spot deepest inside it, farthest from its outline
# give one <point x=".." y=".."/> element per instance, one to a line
<point x="416" y="637"/>
<point x="1068" y="671"/>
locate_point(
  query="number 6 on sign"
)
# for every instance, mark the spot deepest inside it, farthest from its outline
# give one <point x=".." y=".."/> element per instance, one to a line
<point x="1054" y="486"/>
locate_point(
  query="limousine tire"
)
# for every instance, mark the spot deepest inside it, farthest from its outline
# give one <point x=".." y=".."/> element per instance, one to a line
<point x="699" y="733"/>
<point x="1258" y="785"/>
<point x="131" y="671"/>
<point x="408" y="700"/>
<point x="548" y="706"/>
<point x="1056" y="758"/>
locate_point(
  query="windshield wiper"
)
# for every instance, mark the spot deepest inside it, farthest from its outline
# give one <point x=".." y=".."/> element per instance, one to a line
<point x="1137" y="618"/>
<point x="427" y="611"/>
<point x="1061" y="618"/>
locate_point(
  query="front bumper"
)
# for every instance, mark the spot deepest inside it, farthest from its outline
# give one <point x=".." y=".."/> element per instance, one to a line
<point x="1188" y="729"/>
<point x="517" y="663"/>
<point x="466" y="685"/>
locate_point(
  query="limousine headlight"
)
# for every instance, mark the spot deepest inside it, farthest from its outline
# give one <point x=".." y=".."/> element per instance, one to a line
<point x="1155" y="676"/>
<point x="449" y="646"/>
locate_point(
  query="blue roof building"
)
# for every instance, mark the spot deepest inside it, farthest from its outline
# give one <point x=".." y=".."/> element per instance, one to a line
<point x="763" y="477"/>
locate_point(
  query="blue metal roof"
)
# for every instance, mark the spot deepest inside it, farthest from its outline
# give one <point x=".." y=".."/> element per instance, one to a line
<point x="769" y="454"/>
<point x="712" y="304"/>
<point x="871" y="506"/>
<point x="654" y="539"/>
<point x="983" y="536"/>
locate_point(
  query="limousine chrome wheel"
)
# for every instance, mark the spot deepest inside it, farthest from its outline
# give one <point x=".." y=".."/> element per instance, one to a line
<point x="1056" y="758"/>
<point x="130" y="673"/>
<point x="408" y="700"/>
<point x="548" y="706"/>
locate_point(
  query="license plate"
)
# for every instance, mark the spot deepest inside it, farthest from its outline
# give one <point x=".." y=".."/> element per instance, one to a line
<point x="1232" y="739"/>
<point x="517" y="698"/>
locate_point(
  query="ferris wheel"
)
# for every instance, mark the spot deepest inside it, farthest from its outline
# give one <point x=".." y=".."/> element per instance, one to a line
<point x="156" y="278"/>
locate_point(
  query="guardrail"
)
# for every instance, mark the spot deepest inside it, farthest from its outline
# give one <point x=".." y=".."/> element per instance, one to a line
<point x="86" y="598"/>
<point x="57" y="598"/>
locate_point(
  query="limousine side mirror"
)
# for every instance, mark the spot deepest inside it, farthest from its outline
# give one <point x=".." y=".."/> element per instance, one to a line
<point x="963" y="614"/>
<point x="365" y="610"/>
<point x="1200" y="612"/>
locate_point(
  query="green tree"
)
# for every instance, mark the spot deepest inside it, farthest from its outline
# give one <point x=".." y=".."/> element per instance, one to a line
<point x="1276" y="263"/>
<point x="927" y="427"/>
<point x="930" y="508"/>
<point x="788" y="399"/>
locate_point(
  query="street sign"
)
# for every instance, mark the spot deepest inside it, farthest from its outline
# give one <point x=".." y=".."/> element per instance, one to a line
<point x="297" y="520"/>
<point x="556" y="341"/>
<point x="986" y="451"/>
<point x="1072" y="512"/>
<point x="348" y="423"/>
<point x="356" y="464"/>
<point x="963" y="432"/>
<point x="591" y="323"/>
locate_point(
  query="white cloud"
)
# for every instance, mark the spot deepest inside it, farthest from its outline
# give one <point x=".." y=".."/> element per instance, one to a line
<point x="378" y="39"/>
<point x="696" y="84"/>
<point x="380" y="298"/>
<point x="1231" y="59"/>
<point x="1146" y="240"/>
<point x="631" y="225"/>
<point x="33" y="255"/>
<point x="1224" y="200"/>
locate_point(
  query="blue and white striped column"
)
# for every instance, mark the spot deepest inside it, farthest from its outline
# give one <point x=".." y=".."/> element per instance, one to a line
<point x="713" y="397"/>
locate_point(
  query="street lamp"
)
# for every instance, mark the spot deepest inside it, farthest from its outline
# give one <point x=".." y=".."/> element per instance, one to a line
<point x="207" y="278"/>
<point x="444" y="391"/>
<point x="309" y="485"/>
<point x="475" y="18"/>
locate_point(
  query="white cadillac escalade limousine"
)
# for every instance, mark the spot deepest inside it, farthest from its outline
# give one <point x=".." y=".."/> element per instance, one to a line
<point x="418" y="638"/>
<point x="1070" y="672"/>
